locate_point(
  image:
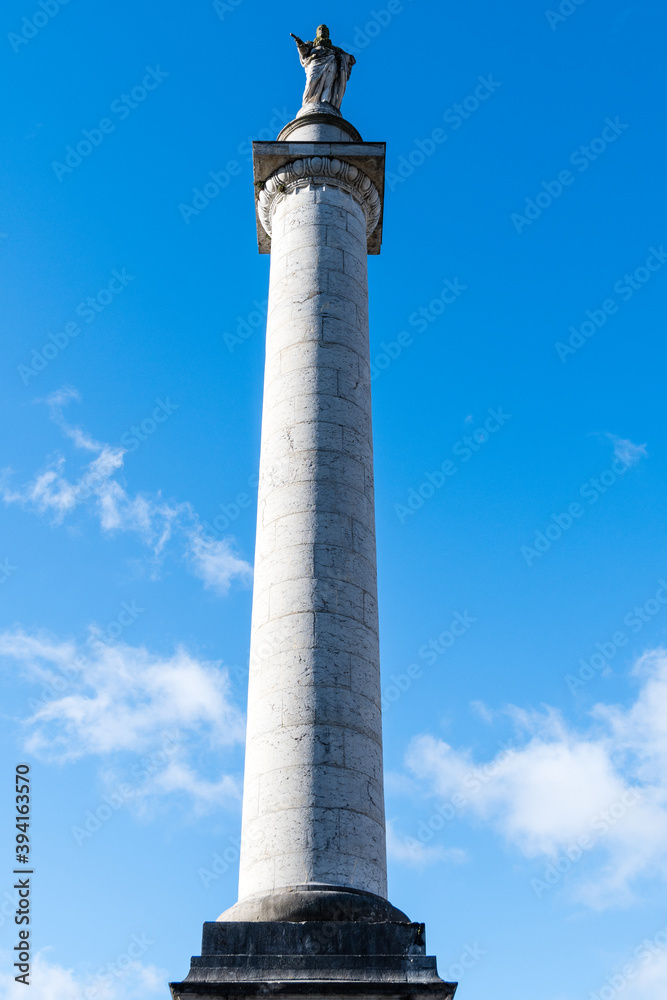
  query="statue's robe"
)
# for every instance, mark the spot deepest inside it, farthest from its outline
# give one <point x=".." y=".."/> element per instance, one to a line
<point x="327" y="73"/>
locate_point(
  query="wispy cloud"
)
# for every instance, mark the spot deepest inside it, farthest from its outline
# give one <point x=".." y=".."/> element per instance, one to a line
<point x="626" y="451"/>
<point x="119" y="700"/>
<point x="607" y="781"/>
<point x="213" y="561"/>
<point x="650" y="978"/>
<point x="57" y="402"/>
<point x="415" y="853"/>
<point x="97" y="489"/>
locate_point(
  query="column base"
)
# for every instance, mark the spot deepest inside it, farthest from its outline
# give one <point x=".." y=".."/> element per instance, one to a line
<point x="315" y="901"/>
<point x="313" y="958"/>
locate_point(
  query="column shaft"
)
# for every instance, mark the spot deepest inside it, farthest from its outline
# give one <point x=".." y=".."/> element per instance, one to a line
<point x="313" y="809"/>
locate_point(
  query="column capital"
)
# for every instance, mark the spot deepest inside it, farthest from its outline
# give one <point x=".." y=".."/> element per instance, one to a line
<point x="280" y="167"/>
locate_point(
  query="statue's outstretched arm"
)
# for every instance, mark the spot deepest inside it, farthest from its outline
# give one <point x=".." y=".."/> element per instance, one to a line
<point x="303" y="47"/>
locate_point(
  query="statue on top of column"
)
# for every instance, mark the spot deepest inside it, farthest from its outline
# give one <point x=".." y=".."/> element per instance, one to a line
<point x="327" y="69"/>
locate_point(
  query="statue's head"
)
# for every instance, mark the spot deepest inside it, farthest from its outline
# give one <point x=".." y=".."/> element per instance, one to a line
<point x="322" y="36"/>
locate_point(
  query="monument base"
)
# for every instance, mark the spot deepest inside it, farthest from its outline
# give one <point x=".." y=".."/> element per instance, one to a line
<point x="313" y="958"/>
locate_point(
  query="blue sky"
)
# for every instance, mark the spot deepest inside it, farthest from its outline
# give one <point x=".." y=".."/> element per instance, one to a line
<point x="517" y="333"/>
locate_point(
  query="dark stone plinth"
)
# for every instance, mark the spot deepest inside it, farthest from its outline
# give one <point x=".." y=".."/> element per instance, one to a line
<point x="314" y="958"/>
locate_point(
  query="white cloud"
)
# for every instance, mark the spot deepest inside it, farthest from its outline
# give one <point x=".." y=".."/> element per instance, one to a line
<point x="119" y="697"/>
<point x="50" y="981"/>
<point x="607" y="783"/>
<point x="626" y="451"/>
<point x="97" y="489"/>
<point x="177" y="776"/>
<point x="214" y="562"/>
<point x="56" y="402"/>
<point x="109" y="700"/>
<point x="650" y="979"/>
<point x="415" y="853"/>
<point x="483" y="711"/>
<point x="637" y="974"/>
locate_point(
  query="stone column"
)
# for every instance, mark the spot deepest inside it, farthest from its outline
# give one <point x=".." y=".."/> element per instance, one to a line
<point x="313" y="807"/>
<point x="313" y="920"/>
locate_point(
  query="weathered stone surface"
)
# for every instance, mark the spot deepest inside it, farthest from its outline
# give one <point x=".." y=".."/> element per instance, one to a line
<point x="316" y="817"/>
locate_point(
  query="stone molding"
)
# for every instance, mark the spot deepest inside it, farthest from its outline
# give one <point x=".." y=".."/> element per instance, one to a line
<point x="319" y="118"/>
<point x="319" y="170"/>
<point x="314" y="902"/>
